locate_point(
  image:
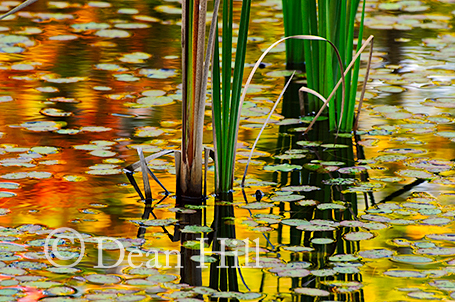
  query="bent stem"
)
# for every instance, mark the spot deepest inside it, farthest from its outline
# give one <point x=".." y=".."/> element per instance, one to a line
<point x="364" y="45"/>
<point x="315" y="93"/>
<point x="18" y="8"/>
<point x="263" y="127"/>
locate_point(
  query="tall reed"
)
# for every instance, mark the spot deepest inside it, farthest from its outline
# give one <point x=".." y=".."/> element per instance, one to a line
<point x="335" y="21"/>
<point x="293" y="25"/>
<point x="226" y="89"/>
<point x="194" y="13"/>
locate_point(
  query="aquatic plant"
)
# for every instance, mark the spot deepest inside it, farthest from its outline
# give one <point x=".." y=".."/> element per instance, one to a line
<point x="226" y="88"/>
<point x="194" y="82"/>
<point x="293" y="25"/>
<point x="335" y="21"/>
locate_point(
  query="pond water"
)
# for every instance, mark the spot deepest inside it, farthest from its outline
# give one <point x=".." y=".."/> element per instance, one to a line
<point x="86" y="83"/>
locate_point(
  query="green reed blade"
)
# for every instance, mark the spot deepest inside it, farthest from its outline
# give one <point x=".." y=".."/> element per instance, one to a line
<point x="352" y="9"/>
<point x="311" y="49"/>
<point x="355" y="76"/>
<point x="226" y="66"/>
<point x="216" y="107"/>
<point x="293" y="25"/>
<point x="341" y="45"/>
<point x="237" y="85"/>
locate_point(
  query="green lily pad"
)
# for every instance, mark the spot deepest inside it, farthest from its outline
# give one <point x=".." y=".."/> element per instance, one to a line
<point x="283" y="168"/>
<point x="358" y="236"/>
<point x="9" y="185"/>
<point x="257" y="205"/>
<point x="404" y="273"/>
<point x="412" y="259"/>
<point x="309" y="144"/>
<point x="287" y="198"/>
<point x="314" y="292"/>
<point x="304" y="188"/>
<point x="196" y="229"/>
<point x="6" y="194"/>
<point x="415" y="173"/>
<point x="112" y="33"/>
<point x="322" y="241"/>
<point x="156" y="222"/>
<point x="103" y="279"/>
<point x="376" y="254"/>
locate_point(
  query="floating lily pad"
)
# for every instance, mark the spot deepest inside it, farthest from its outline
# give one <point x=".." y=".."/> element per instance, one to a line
<point x="339" y="181"/>
<point x="322" y="241"/>
<point x="9" y="185"/>
<point x="444" y="237"/>
<point x="411" y="259"/>
<point x="287" y="198"/>
<point x="156" y="222"/>
<point x="112" y="33"/>
<point x="404" y="274"/>
<point x="309" y="144"/>
<point x="196" y="229"/>
<point x="330" y="206"/>
<point x="436" y="221"/>
<point x="295" y="222"/>
<point x="314" y="292"/>
<point x="155" y="101"/>
<point x="257" y="205"/>
<point x="298" y="249"/>
<point x="390" y="89"/>
<point x="44" y="150"/>
<point x="305" y="203"/>
<point x="54" y="112"/>
<point x="353" y="170"/>
<point x="103" y="279"/>
<point x="304" y="188"/>
<point x="357" y="236"/>
<point x="283" y="168"/>
<point x="415" y="173"/>
<point x="148" y="132"/>
<point x="6" y="194"/>
<point x="376" y="254"/>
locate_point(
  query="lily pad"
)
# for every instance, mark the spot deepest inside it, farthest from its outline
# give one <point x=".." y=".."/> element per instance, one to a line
<point x="283" y="168"/>
<point x="314" y="292"/>
<point x="103" y="279"/>
<point x="358" y="236"/>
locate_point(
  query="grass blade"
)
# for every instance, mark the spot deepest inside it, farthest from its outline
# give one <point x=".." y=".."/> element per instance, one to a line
<point x="145" y="179"/>
<point x="242" y="185"/>
<point x="348" y="69"/>
<point x="370" y="41"/>
<point x="18" y="8"/>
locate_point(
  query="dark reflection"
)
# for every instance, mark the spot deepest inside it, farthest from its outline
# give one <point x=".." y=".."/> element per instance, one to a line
<point x="318" y="170"/>
<point x="223" y="272"/>
<point x="223" y="276"/>
<point x="190" y="272"/>
<point x="393" y="45"/>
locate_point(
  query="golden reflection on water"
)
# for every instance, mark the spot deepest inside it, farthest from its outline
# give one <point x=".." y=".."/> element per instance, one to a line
<point x="54" y="202"/>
